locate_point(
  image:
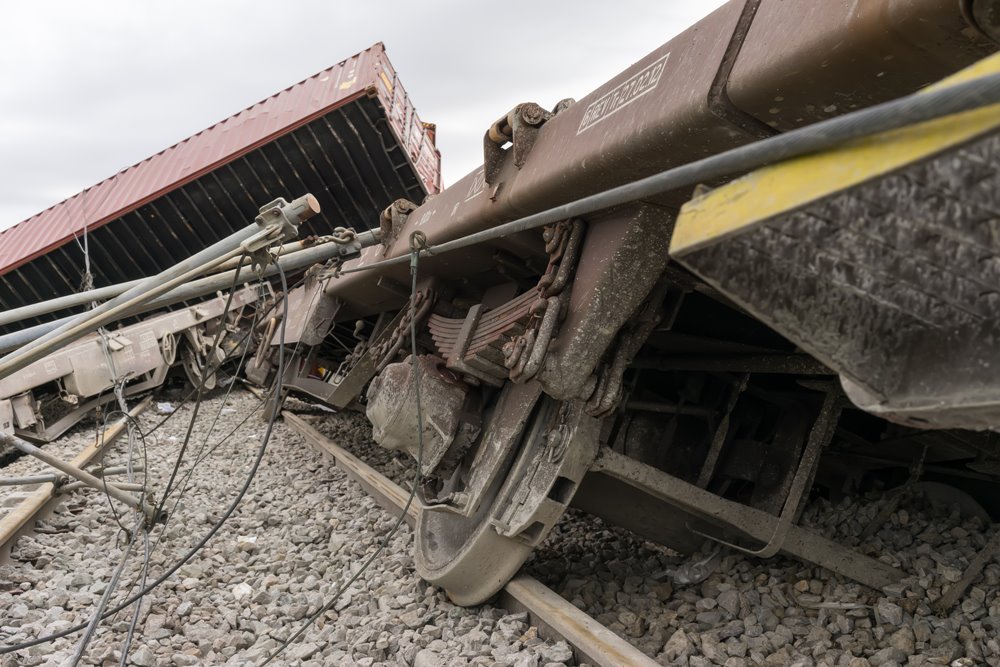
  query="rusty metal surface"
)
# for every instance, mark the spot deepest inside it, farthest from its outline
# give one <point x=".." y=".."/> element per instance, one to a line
<point x="651" y="116"/>
<point x="805" y="61"/>
<point x="658" y="114"/>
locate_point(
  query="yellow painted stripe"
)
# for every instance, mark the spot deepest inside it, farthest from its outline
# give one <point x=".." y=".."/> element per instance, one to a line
<point x="739" y="206"/>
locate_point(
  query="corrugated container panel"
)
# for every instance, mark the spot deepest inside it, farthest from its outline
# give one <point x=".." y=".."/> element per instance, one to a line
<point x="369" y="73"/>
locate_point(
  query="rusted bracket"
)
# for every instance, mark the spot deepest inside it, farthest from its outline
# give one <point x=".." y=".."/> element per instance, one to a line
<point x="392" y="220"/>
<point x="519" y="127"/>
<point x="819" y="436"/>
<point x="750" y="521"/>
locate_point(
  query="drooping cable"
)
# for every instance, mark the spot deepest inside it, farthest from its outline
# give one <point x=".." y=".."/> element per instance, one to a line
<point x="201" y="386"/>
<point x="81" y="647"/>
<point x="415" y="369"/>
<point x="127" y="644"/>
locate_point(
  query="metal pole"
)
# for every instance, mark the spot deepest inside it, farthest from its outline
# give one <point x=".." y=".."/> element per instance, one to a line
<point x="272" y="224"/>
<point x="197" y="288"/>
<point x="27" y="481"/>
<point x="78" y="474"/>
<point x="18" y="517"/>
<point x="52" y="478"/>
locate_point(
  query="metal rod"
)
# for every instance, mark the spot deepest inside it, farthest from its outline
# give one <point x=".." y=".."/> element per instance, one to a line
<point x="755" y="523"/>
<point x="154" y="286"/>
<point x="795" y="364"/>
<point x="197" y="288"/>
<point x="77" y="473"/>
<point x="667" y="407"/>
<point x="979" y="562"/>
<point x="124" y="486"/>
<point x="119" y="469"/>
<point x="27" y="481"/>
<point x="51" y="478"/>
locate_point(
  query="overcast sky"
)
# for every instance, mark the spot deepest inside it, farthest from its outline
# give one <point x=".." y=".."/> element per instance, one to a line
<point x="89" y="88"/>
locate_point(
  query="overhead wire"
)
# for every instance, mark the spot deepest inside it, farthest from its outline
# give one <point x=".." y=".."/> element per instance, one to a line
<point x="140" y="524"/>
<point x="200" y="458"/>
<point x="127" y="644"/>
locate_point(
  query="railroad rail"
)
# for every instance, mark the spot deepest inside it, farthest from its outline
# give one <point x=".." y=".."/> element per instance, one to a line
<point x="553" y="615"/>
<point x="20" y="517"/>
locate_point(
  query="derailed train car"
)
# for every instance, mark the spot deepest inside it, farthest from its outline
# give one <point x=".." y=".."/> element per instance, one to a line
<point x="701" y="397"/>
<point x="579" y="365"/>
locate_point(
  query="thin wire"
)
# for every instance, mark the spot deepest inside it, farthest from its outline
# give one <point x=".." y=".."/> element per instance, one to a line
<point x="214" y="370"/>
<point x="215" y="527"/>
<point x="200" y="456"/>
<point x="415" y="366"/>
<point x="198" y="461"/>
<point x="96" y="618"/>
<point x="201" y="386"/>
<point x="126" y="646"/>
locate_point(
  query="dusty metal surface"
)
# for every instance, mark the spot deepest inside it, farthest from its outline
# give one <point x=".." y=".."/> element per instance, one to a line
<point x="85" y="370"/>
<point x="835" y="57"/>
<point x="889" y="278"/>
<point x="397" y="423"/>
<point x="473" y="554"/>
<point x="707" y="507"/>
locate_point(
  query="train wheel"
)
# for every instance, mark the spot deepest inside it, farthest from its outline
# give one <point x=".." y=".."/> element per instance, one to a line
<point x="472" y="557"/>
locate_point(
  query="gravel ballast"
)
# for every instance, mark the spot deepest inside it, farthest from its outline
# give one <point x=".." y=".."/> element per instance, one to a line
<point x="304" y="527"/>
<point x="302" y="530"/>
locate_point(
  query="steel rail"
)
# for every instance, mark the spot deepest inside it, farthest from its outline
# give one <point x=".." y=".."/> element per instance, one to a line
<point x="553" y="615"/>
<point x="15" y="520"/>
